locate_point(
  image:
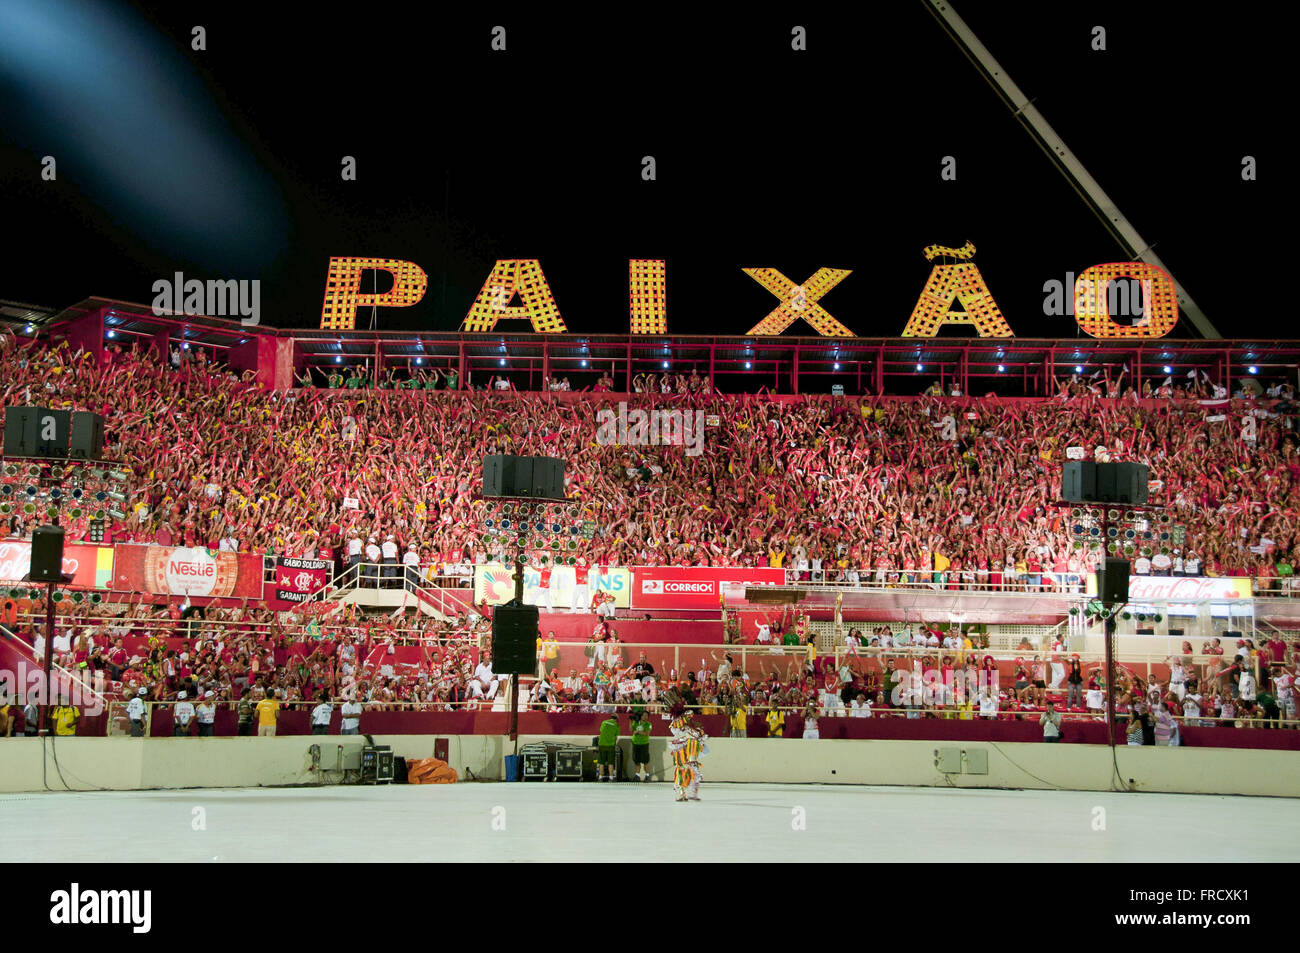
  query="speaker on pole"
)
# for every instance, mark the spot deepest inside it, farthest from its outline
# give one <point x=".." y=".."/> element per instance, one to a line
<point x="1079" y="481"/>
<point x="1113" y="587"/>
<point x="87" y="436"/>
<point x="47" y="554"/>
<point x="514" y="639"/>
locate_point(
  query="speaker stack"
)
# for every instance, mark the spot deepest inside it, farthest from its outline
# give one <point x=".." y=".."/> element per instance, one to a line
<point x="514" y="639"/>
<point x="538" y="478"/>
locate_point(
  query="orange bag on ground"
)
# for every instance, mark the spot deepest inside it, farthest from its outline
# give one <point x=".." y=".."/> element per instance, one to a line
<point x="429" y="771"/>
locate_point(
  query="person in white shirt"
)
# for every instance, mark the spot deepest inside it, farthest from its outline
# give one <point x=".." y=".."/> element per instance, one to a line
<point x="182" y="715"/>
<point x="411" y="564"/>
<point x="988" y="704"/>
<point x="860" y="707"/>
<point x="1161" y="564"/>
<point x="1246" y="685"/>
<point x="485" y="683"/>
<point x="206" y="714"/>
<point x="373" y="555"/>
<point x="388" y="554"/>
<point x="321" y="715"/>
<point x="135" y="714"/>
<point x="351" y="712"/>
<point x="1142" y="566"/>
<point x="353" y="553"/>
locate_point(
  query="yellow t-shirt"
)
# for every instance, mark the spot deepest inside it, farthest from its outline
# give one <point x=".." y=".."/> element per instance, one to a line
<point x="65" y="720"/>
<point x="776" y="560"/>
<point x="775" y="722"/>
<point x="940" y="562"/>
<point x="739" y="717"/>
<point x="267" y="711"/>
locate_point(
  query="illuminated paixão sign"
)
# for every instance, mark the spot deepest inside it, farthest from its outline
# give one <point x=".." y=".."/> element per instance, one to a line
<point x="517" y="290"/>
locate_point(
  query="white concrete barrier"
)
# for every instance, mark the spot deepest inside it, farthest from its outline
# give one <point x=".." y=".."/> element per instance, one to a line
<point x="125" y="764"/>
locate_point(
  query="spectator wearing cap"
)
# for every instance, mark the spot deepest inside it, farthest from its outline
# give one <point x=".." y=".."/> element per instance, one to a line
<point x="206" y="714"/>
<point x="321" y="715"/>
<point x="411" y="565"/>
<point x="353" y="555"/>
<point x="135" y="713"/>
<point x="351" y="712"/>
<point x="373" y="556"/>
<point x="388" y="552"/>
<point x="182" y="715"/>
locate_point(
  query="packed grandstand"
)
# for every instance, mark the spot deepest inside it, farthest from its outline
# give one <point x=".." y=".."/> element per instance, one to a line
<point x="939" y="492"/>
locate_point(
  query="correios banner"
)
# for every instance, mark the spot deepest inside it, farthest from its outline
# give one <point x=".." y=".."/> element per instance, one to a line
<point x="670" y="587"/>
<point x="91" y="567"/>
<point x="182" y="571"/>
<point x="493" y="582"/>
<point x="1181" y="588"/>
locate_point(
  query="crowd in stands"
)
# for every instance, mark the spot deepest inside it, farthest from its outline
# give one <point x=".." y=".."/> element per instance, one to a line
<point x="929" y="488"/>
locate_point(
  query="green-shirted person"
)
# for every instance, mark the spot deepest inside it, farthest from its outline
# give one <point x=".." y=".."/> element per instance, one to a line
<point x="355" y="381"/>
<point x="608" y="742"/>
<point x="431" y="380"/>
<point x="641" y="729"/>
<point x="453" y="378"/>
<point x="335" y="380"/>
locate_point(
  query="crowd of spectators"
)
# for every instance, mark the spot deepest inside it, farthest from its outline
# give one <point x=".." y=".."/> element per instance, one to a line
<point x="912" y="487"/>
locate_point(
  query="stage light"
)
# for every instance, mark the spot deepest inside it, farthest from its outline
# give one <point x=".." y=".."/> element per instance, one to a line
<point x="1252" y="369"/>
<point x="584" y="362"/>
<point x="502" y="362"/>
<point x="186" y="345"/>
<point x="837" y="366"/>
<point x="112" y="333"/>
<point x="28" y="329"/>
<point x="1167" y="369"/>
<point x="748" y="365"/>
<point x="338" y="358"/>
<point x="665" y="365"/>
<point x="1002" y="369"/>
<point x="1078" y="368"/>
<point x="920" y="367"/>
<point x="419" y="360"/>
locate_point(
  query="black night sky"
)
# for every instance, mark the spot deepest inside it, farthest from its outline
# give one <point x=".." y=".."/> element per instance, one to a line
<point x="225" y="163"/>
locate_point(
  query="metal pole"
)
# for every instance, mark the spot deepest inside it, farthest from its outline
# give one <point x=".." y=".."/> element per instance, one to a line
<point x="1110" y="680"/>
<point x="49" y="658"/>
<point x="514" y="677"/>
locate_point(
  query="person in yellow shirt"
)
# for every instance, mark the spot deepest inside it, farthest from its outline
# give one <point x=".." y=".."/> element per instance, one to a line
<point x="739" y="719"/>
<point x="268" y="711"/>
<point x="775" y="720"/>
<point x="65" y="720"/>
<point x="776" y="556"/>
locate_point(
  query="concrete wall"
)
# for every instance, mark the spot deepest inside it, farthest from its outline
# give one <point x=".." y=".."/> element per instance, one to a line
<point x="135" y="764"/>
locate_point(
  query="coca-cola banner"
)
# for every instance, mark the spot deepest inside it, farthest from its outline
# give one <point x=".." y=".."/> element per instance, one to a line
<point x="297" y="580"/>
<point x="669" y="587"/>
<point x="91" y="567"/>
<point x="182" y="571"/>
<point x="1181" y="588"/>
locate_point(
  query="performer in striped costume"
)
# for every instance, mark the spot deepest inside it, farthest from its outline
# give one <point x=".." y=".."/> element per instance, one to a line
<point x="686" y="747"/>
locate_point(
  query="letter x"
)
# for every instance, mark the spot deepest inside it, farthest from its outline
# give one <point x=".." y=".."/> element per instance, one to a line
<point x="788" y="312"/>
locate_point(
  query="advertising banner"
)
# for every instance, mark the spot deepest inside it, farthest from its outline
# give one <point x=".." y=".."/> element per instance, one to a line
<point x="90" y="566"/>
<point x="181" y="571"/>
<point x="1184" y="589"/>
<point x="493" y="582"/>
<point x="297" y="580"/>
<point x="670" y="587"/>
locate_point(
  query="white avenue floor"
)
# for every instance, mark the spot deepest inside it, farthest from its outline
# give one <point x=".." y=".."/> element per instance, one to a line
<point x="639" y="822"/>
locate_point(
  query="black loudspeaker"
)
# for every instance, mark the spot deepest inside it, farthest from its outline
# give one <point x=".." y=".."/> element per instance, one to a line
<point x="514" y="640"/>
<point x="548" y="478"/>
<point x="1083" y="482"/>
<point x="532" y="477"/>
<point x="53" y="431"/>
<point x="493" y="467"/>
<point x="47" y="554"/>
<point x="1131" y="483"/>
<point x="87" y="441"/>
<point x="1113" y="585"/>
<point x="20" y="431"/>
<point x="1079" y="482"/>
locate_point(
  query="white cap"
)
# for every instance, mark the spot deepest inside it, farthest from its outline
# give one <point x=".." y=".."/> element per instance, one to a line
<point x="208" y="694"/>
<point x="180" y="696"/>
<point x="372" y="539"/>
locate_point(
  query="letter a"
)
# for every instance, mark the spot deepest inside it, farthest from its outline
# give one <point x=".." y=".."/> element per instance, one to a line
<point x="510" y="277"/>
<point x="960" y="282"/>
